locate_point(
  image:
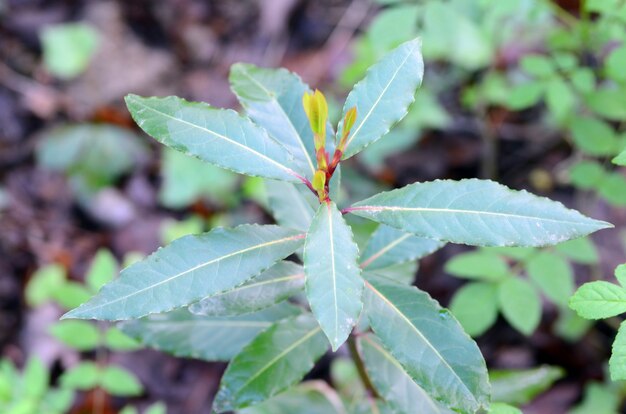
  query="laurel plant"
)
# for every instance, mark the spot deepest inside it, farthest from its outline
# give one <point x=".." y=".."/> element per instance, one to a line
<point x="223" y="295"/>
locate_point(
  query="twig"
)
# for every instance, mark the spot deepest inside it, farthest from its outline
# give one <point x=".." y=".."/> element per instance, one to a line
<point x="360" y="367"/>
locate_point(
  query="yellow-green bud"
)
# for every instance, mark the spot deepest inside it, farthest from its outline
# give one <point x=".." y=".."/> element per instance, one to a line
<point x="316" y="110"/>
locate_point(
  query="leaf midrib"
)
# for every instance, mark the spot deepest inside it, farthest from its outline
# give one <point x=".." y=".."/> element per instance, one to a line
<point x="223" y="137"/>
<point x="459" y="211"/>
<point x="272" y="97"/>
<point x="414" y="328"/>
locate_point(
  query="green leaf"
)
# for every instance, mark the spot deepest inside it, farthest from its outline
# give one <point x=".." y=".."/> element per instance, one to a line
<point x="102" y="270"/>
<point x="71" y="294"/>
<point x="520" y="304"/>
<point x="383" y="97"/>
<point x="538" y="65"/>
<point x="476" y="212"/>
<point x="389" y="247"/>
<point x="608" y="103"/>
<point x="80" y="335"/>
<point x="272" y="362"/>
<point x="156" y="408"/>
<point x="189" y="269"/>
<point x="599" y="300"/>
<point x="280" y="282"/>
<point x="520" y="387"/>
<point x="475" y="306"/>
<point x="580" y="250"/>
<point x="615" y="64"/>
<point x="560" y="98"/>
<point x="613" y="189"/>
<point x="311" y="397"/>
<point x="392" y="26"/>
<point x="119" y="382"/>
<point x="587" y="175"/>
<point x="84" y="376"/>
<point x="597" y="399"/>
<point x="333" y="282"/>
<point x="291" y="205"/>
<point x="68" y="48"/>
<point x="272" y="98"/>
<point x="183" y="334"/>
<point x="217" y="136"/>
<point x="480" y="264"/>
<point x="524" y="96"/>
<point x="502" y="408"/>
<point x="553" y="275"/>
<point x="620" y="274"/>
<point x="403" y="273"/>
<point x="172" y="229"/>
<point x="36" y="378"/>
<point x="43" y="283"/>
<point x="617" y="362"/>
<point x="593" y="136"/>
<point x="187" y="179"/>
<point x="620" y="159"/>
<point x="583" y="79"/>
<point x="429" y="343"/>
<point x="116" y="340"/>
<point x="393" y="383"/>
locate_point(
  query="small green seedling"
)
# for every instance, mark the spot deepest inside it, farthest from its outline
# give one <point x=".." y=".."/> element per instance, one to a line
<point x="221" y="295"/>
<point x="50" y="284"/>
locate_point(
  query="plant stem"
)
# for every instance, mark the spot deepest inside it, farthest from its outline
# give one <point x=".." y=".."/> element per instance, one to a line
<point x="360" y="367"/>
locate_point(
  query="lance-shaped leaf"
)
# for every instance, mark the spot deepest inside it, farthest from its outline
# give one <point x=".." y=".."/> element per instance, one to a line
<point x="389" y="247"/>
<point x="476" y="212"/>
<point x="204" y="337"/>
<point x="522" y="386"/>
<point x="272" y="362"/>
<point x="429" y="343"/>
<point x="276" y="284"/>
<point x="393" y="383"/>
<point x="189" y="269"/>
<point x="218" y="136"/>
<point x="383" y="97"/>
<point x="333" y="282"/>
<point x="272" y="98"/>
<point x="291" y="205"/>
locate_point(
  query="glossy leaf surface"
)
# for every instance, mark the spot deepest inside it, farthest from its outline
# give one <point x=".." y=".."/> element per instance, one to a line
<point x="476" y="212"/>
<point x="383" y="97"/>
<point x="217" y="136"/>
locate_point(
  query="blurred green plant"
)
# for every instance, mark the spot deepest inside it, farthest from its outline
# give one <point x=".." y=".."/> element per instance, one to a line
<point x="511" y="280"/>
<point x="29" y="392"/>
<point x="50" y="284"/>
<point x="68" y="48"/>
<point x="93" y="156"/>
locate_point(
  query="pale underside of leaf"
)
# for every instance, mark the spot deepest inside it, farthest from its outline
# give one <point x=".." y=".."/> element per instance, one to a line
<point x="291" y="205"/>
<point x="218" y="136"/>
<point x="189" y="269"/>
<point x="476" y="212"/>
<point x="429" y="343"/>
<point x="333" y="282"/>
<point x="276" y="284"/>
<point x="389" y="246"/>
<point x="209" y="338"/>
